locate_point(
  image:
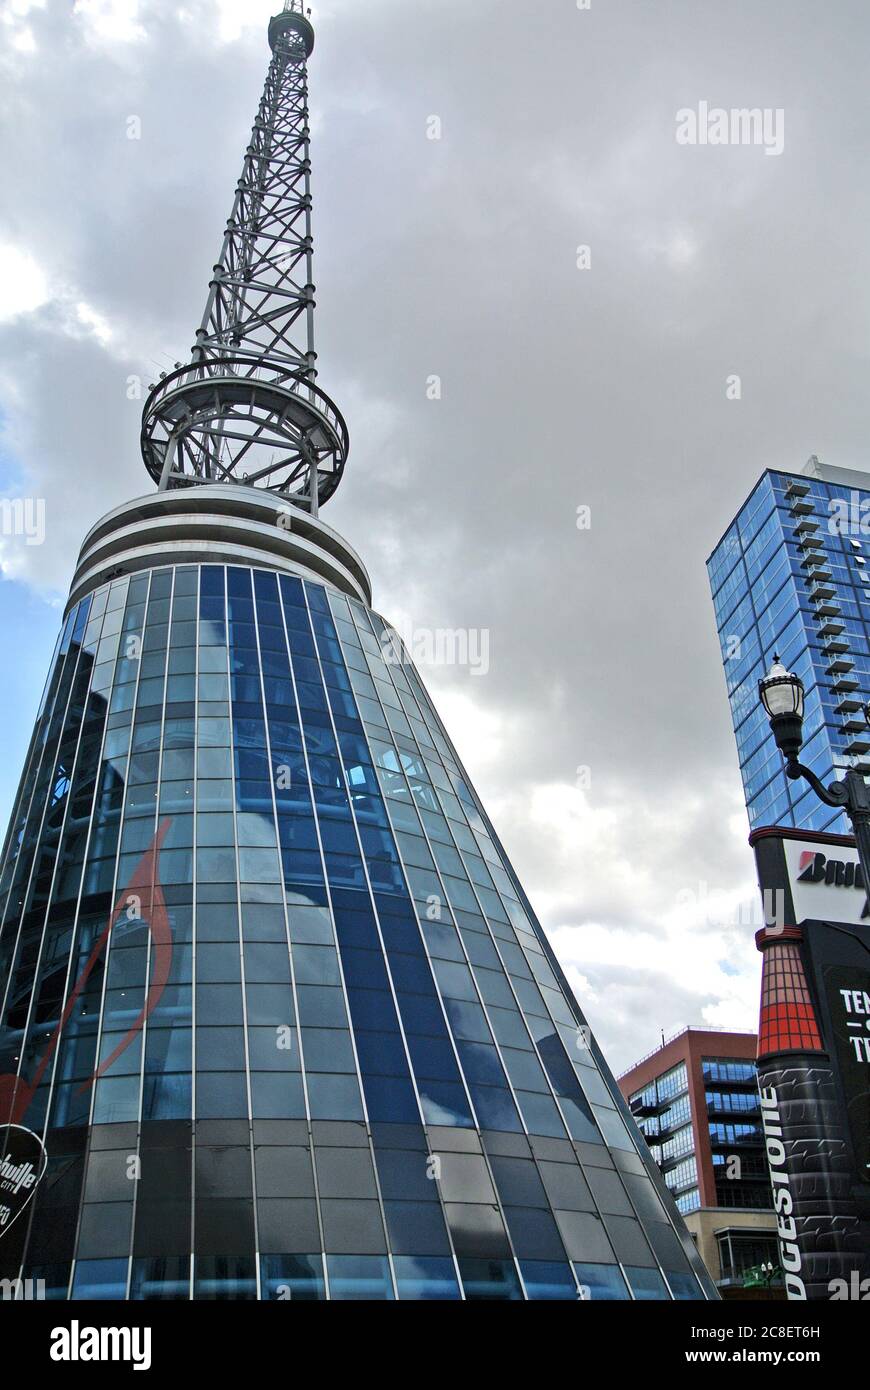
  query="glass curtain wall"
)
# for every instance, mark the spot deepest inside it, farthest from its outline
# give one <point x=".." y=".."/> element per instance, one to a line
<point x="271" y="992"/>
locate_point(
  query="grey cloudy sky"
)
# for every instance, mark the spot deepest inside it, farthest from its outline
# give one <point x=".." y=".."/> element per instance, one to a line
<point x="562" y="387"/>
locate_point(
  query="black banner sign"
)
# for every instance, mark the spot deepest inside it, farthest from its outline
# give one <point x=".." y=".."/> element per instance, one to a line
<point x="847" y="997"/>
<point x="23" y="1162"/>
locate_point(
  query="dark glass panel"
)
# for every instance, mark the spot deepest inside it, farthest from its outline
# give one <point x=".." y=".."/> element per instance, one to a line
<point x="287" y="1226"/>
<point x="425" y="1278"/>
<point x="225" y="1277"/>
<point x="353" y="1277"/>
<point x="646" y="1284"/>
<point x="298" y="1278"/>
<point x="416" y="1228"/>
<point x="548" y="1280"/>
<point x="161" y="1279"/>
<point x="100" y="1280"/>
<point x="490" y="1280"/>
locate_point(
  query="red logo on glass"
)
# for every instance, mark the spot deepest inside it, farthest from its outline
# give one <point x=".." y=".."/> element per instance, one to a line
<point x="145" y="889"/>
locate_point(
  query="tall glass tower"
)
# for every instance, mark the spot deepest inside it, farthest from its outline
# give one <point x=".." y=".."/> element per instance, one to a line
<point x="273" y="999"/>
<point x="791" y="576"/>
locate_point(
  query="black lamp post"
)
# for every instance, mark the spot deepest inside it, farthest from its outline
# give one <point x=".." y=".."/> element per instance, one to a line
<point x="782" y="695"/>
<point x="770" y="1271"/>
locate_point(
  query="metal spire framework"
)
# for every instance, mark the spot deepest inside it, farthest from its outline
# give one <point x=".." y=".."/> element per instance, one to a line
<point x="246" y="409"/>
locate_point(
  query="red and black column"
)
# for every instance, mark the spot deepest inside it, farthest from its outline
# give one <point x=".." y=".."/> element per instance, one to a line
<point x="806" y="1142"/>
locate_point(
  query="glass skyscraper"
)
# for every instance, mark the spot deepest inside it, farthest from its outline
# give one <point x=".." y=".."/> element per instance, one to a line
<point x="272" y="996"/>
<point x="364" y="1072"/>
<point x="791" y="576"/>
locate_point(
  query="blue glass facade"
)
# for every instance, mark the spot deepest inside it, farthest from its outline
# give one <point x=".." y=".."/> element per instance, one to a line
<point x="332" y="1055"/>
<point x="792" y="576"/>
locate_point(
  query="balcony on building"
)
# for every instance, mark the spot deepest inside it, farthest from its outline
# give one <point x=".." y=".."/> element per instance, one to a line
<point x="856" y="724"/>
<point x="859" y="745"/>
<point x="850" y="704"/>
<point x="822" y="587"/>
<point x="801" y="506"/>
<point x="644" y="1108"/>
<point x="845" y="683"/>
<point x="840" y="665"/>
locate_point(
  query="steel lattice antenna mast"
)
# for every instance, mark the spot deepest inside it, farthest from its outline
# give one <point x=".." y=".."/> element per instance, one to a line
<point x="246" y="409"/>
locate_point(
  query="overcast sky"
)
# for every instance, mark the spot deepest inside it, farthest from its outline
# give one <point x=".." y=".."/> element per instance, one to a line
<point x="561" y="387"/>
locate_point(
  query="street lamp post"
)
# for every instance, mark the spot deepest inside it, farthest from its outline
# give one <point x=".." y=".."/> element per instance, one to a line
<point x="762" y="1275"/>
<point x="782" y="695"/>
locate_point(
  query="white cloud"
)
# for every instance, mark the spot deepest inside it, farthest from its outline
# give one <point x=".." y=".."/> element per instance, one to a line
<point x="25" y="287"/>
<point x="474" y="728"/>
<point x="23" y="283"/>
<point x="235" y="16"/>
<point x="94" y="322"/>
<point x="680" y="248"/>
<point x="12" y="12"/>
<point x="110" y="21"/>
<point x="24" y="42"/>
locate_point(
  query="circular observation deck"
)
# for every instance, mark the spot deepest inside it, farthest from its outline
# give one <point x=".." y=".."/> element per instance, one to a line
<point x="244" y="421"/>
<point x="212" y="526"/>
<point x="292" y="30"/>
